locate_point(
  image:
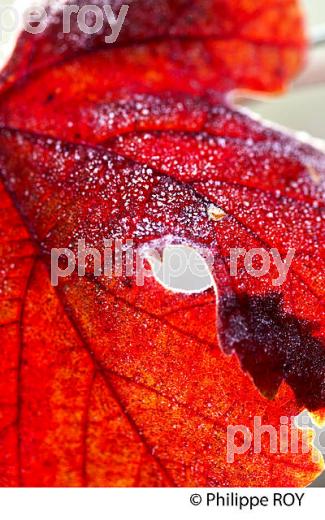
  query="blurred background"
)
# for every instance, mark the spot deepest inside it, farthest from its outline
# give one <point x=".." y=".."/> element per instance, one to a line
<point x="303" y="107"/>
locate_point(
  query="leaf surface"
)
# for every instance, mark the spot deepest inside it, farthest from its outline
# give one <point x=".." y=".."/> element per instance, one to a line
<point x="113" y="384"/>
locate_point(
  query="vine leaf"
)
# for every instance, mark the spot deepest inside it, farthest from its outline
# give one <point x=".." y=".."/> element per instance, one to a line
<point x="105" y="382"/>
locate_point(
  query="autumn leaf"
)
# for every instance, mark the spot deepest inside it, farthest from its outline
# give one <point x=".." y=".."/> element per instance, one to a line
<point x="187" y="46"/>
<point x="107" y="383"/>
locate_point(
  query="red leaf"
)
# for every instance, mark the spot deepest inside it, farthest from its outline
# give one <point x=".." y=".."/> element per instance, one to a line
<point x="114" y="384"/>
<point x="179" y="45"/>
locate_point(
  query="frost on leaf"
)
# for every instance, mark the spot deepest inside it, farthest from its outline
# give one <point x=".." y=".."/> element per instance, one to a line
<point x="115" y="384"/>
